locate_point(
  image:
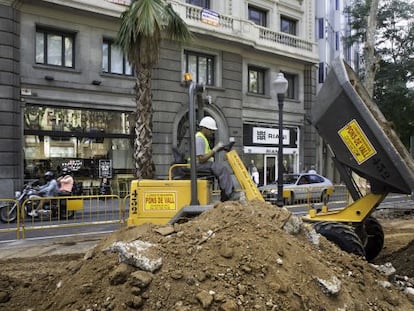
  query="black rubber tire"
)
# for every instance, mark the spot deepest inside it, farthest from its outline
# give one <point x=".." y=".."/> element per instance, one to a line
<point x="341" y="235"/>
<point x="374" y="241"/>
<point x="8" y="213"/>
<point x="71" y="214"/>
<point x="60" y="208"/>
<point x="68" y="214"/>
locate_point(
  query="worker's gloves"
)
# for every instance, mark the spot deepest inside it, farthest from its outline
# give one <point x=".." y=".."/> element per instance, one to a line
<point x="218" y="147"/>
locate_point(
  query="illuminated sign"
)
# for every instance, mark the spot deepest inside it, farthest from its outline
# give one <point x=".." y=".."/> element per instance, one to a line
<point x="73" y="165"/>
<point x="105" y="168"/>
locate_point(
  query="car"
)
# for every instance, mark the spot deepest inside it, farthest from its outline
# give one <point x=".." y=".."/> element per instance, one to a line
<point x="300" y="188"/>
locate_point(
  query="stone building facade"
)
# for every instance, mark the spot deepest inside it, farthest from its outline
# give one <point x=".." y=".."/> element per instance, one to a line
<point x="67" y="97"/>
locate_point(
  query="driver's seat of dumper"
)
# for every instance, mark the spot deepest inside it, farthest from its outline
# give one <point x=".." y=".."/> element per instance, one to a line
<point x="181" y="168"/>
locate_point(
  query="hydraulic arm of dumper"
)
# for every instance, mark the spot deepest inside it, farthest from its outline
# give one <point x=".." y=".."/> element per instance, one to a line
<point x="362" y="142"/>
<point x="243" y="177"/>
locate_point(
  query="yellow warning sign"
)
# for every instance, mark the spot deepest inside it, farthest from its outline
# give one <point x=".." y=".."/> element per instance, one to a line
<point x="160" y="201"/>
<point x="357" y="142"/>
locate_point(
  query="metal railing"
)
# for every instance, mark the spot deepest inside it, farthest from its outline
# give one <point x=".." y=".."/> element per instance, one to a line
<point x="243" y="30"/>
<point x="64" y="212"/>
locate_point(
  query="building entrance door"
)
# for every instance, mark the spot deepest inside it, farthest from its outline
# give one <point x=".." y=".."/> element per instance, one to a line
<point x="270" y="169"/>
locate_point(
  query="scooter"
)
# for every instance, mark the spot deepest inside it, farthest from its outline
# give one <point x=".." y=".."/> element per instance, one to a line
<point x="51" y="208"/>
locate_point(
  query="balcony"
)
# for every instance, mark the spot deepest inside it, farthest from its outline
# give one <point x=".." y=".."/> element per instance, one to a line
<point x="246" y="32"/>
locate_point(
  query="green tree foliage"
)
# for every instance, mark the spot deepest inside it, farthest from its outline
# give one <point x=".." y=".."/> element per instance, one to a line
<point x="143" y="26"/>
<point x="394" y="50"/>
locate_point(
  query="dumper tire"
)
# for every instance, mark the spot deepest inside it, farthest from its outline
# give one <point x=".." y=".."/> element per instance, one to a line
<point x="374" y="241"/>
<point x="342" y="235"/>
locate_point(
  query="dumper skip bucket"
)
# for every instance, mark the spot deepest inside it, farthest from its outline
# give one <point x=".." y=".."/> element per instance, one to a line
<point x="359" y="135"/>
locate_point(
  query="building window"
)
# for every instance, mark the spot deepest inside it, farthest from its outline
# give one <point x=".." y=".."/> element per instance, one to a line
<point x="336" y="40"/>
<point x="288" y="25"/>
<point x="321" y="72"/>
<point x="321" y="28"/>
<point x="202" y="3"/>
<point x="113" y="60"/>
<point x="200" y="66"/>
<point x="55" y="48"/>
<point x="257" y="16"/>
<point x="256" y="80"/>
<point x="292" y="91"/>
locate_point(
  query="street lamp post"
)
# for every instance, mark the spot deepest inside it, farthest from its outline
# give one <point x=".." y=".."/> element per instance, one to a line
<point x="281" y="85"/>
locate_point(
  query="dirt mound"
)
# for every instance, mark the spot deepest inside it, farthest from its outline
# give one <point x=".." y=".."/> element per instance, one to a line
<point x="403" y="259"/>
<point x="399" y="241"/>
<point x="232" y="257"/>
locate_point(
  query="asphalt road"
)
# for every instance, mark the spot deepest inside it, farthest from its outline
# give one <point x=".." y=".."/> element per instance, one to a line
<point x="99" y="217"/>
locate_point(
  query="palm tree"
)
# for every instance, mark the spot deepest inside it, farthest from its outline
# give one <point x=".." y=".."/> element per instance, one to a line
<point x="143" y="25"/>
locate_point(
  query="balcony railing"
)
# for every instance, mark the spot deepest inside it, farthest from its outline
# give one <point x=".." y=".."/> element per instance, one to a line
<point x="246" y="32"/>
<point x="285" y="39"/>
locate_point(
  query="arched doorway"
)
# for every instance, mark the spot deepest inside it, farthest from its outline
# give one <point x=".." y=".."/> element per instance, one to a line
<point x="181" y="129"/>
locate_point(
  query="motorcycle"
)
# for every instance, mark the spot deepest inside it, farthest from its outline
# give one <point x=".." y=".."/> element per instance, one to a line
<point x="51" y="208"/>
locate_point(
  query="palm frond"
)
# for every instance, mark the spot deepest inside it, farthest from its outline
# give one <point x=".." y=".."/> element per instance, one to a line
<point x="142" y="26"/>
<point x="176" y="28"/>
<point x="141" y="22"/>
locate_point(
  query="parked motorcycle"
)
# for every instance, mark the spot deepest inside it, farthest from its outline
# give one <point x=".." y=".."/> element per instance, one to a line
<point x="51" y="208"/>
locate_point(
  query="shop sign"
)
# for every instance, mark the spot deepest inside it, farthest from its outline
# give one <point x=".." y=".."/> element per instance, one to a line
<point x="262" y="150"/>
<point x="268" y="137"/>
<point x="210" y="17"/>
<point x="73" y="164"/>
<point x="357" y="142"/>
<point x="105" y="168"/>
<point x="163" y="201"/>
<point x="268" y="150"/>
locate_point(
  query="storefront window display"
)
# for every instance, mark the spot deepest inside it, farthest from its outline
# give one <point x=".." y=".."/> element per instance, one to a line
<point x="261" y="146"/>
<point x="77" y="139"/>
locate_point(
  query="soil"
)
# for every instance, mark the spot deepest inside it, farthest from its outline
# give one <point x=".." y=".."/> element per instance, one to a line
<point x="233" y="257"/>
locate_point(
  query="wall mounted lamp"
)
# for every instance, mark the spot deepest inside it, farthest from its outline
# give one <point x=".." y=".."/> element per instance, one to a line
<point x="96" y="82"/>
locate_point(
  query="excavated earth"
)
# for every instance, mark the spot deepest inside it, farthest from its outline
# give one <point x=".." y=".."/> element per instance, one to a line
<point x="236" y="256"/>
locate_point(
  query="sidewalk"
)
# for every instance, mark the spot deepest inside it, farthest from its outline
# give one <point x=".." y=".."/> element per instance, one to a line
<point x="78" y="244"/>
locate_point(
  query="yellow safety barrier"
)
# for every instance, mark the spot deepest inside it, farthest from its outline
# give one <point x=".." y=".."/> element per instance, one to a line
<point x="64" y="212"/>
<point x="10" y="207"/>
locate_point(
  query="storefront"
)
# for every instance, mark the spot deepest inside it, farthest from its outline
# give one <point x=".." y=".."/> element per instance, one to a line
<point x="92" y="143"/>
<point x="261" y="147"/>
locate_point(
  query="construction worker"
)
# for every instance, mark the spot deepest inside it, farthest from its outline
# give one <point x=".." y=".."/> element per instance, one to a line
<point x="205" y="158"/>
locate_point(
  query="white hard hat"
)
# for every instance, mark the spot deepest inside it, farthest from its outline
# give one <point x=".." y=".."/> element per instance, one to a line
<point x="208" y="122"/>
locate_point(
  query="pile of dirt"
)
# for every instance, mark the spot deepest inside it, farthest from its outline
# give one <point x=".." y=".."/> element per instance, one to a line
<point x="233" y="257"/>
<point x="399" y="242"/>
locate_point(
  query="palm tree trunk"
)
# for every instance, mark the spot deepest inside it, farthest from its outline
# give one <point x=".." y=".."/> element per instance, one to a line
<point x="144" y="166"/>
